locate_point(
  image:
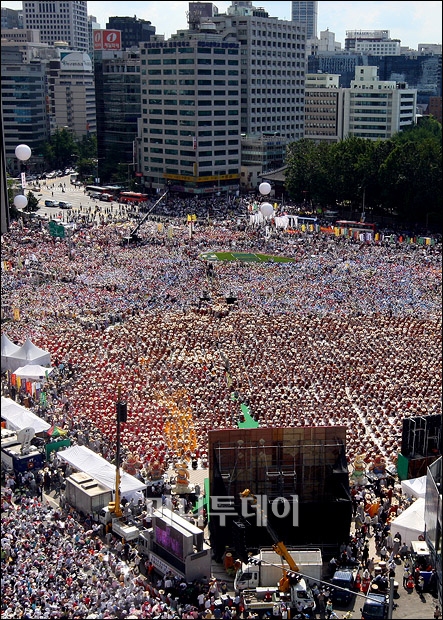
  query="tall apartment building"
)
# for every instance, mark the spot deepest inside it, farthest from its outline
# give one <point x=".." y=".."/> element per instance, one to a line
<point x="133" y="30"/>
<point x="323" y="108"/>
<point x="306" y="13"/>
<point x="118" y="106"/>
<point x="375" y="109"/>
<point x="59" y="21"/>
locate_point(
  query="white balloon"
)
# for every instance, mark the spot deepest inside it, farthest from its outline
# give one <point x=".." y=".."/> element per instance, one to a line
<point x="264" y="188"/>
<point x="266" y="209"/>
<point x="20" y="201"/>
<point x="23" y="152"/>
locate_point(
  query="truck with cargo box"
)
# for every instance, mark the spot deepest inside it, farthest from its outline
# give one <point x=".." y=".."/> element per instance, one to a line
<point x="265" y="569"/>
<point x="86" y="494"/>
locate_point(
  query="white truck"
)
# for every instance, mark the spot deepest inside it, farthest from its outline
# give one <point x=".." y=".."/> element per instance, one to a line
<point x="278" y="578"/>
<point x="266" y="569"/>
<point x="90" y="497"/>
<point x="124" y="530"/>
<point x="86" y="494"/>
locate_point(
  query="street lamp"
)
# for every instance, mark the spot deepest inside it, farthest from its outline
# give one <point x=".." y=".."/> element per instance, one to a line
<point x="23" y="153"/>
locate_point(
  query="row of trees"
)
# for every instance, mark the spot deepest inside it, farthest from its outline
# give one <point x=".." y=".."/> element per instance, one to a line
<point x="64" y="151"/>
<point x="400" y="177"/>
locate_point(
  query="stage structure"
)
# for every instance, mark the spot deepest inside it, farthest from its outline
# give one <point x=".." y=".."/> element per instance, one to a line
<point x="420" y="445"/>
<point x="300" y="476"/>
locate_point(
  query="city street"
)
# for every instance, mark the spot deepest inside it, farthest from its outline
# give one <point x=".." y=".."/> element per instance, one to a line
<point x="81" y="202"/>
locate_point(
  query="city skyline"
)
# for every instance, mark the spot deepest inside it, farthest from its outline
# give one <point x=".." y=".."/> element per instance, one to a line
<point x="414" y="24"/>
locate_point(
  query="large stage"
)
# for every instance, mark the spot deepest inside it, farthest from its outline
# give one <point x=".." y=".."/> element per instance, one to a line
<point x="299" y="476"/>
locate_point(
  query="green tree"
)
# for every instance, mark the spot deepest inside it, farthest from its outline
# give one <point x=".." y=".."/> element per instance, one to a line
<point x="411" y="180"/>
<point x="397" y="177"/>
<point x="61" y="149"/>
<point x="32" y="202"/>
<point x="302" y="163"/>
<point x="86" y="147"/>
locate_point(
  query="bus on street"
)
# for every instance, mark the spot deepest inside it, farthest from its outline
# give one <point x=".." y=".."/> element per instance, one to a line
<point x="133" y="197"/>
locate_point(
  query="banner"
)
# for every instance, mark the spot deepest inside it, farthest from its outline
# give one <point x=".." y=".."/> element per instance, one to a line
<point x="249" y="420"/>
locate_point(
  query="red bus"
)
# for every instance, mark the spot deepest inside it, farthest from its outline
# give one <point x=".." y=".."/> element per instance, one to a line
<point x="133" y="197"/>
<point x="356" y="226"/>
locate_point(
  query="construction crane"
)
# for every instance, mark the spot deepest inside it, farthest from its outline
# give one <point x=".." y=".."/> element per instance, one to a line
<point x="133" y="234"/>
<point x="290" y="576"/>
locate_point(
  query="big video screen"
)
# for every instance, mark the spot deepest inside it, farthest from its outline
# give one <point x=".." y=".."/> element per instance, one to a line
<point x="169" y="538"/>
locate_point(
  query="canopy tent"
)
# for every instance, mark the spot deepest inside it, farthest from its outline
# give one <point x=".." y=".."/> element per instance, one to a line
<point x="28" y="353"/>
<point x="8" y="350"/>
<point x="410" y="524"/>
<point x="415" y="487"/>
<point x="33" y="371"/>
<point x="18" y="417"/>
<point x="90" y="462"/>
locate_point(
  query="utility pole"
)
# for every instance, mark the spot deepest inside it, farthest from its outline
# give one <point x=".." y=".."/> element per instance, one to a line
<point x="121" y="410"/>
<point x="391" y="597"/>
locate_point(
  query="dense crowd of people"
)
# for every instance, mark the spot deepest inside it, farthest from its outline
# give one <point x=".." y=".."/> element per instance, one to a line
<point x="347" y="333"/>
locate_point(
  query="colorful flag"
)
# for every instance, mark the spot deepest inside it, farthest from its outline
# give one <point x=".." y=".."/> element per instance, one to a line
<point x="56" y="431"/>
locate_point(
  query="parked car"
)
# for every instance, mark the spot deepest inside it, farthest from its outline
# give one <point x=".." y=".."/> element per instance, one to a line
<point x="343" y="579"/>
<point x="375" y="607"/>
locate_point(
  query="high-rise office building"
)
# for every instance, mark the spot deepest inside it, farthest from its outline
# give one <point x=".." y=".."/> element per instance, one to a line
<point x="228" y="78"/>
<point x="12" y="18"/>
<point x="71" y="93"/>
<point x="190" y="123"/>
<point x="306" y="13"/>
<point x="24" y="101"/>
<point x="375" y="42"/>
<point x="272" y="70"/>
<point x="134" y="30"/>
<point x="59" y="21"/>
<point x="376" y="109"/>
<point x="118" y="105"/>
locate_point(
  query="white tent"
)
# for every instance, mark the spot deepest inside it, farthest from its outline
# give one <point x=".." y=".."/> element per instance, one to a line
<point x="415" y="487"/>
<point x="410" y="524"/>
<point x="28" y="353"/>
<point x="33" y="371"/>
<point x="18" y="417"/>
<point x="97" y="467"/>
<point x="8" y="350"/>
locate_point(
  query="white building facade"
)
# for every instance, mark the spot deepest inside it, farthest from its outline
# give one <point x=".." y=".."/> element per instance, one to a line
<point x="59" y="21"/>
<point x="377" y="110"/>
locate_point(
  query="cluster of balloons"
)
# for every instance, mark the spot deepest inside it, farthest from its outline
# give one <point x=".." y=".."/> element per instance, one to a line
<point x="23" y="153"/>
<point x="266" y="209"/>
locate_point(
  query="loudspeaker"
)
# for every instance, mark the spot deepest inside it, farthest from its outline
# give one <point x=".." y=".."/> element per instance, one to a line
<point x="122" y="412"/>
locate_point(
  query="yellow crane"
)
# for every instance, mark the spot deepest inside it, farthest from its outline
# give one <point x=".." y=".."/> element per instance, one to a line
<point x="290" y="576"/>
